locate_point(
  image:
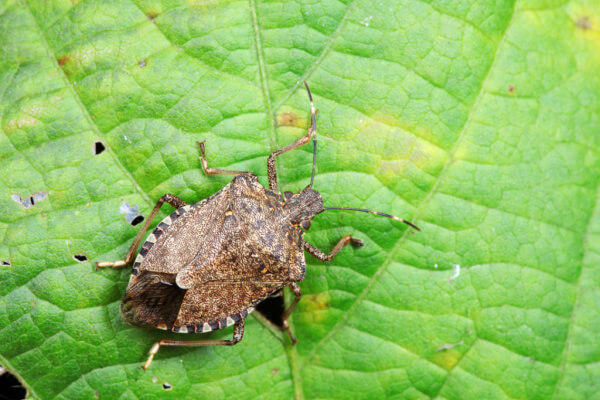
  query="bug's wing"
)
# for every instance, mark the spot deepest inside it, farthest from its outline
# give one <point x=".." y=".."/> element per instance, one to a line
<point x="152" y="300"/>
<point x="214" y="302"/>
<point x="230" y="257"/>
<point x="193" y="235"/>
<point x="206" y="264"/>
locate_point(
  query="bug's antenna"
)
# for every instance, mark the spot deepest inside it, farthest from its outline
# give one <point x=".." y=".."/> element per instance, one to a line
<point x="376" y="213"/>
<point x="313" y="130"/>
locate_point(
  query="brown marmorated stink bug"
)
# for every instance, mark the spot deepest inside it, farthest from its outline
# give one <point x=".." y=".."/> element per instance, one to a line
<point x="207" y="265"/>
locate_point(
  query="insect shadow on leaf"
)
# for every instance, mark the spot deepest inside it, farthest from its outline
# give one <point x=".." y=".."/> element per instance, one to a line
<point x="207" y="265"/>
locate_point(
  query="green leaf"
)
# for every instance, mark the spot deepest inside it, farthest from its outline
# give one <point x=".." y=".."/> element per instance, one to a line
<point x="477" y="120"/>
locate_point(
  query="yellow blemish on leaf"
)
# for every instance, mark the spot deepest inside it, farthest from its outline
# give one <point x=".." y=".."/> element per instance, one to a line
<point x="25" y="121"/>
<point x="290" y="118"/>
<point x="447" y="359"/>
<point x="584" y="22"/>
<point x="386" y="119"/>
<point x="313" y="306"/>
<point x="31" y="113"/>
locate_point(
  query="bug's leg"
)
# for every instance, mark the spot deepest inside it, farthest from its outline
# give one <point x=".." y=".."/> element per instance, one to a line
<point x="174" y="201"/>
<point x="238" y="333"/>
<point x="286" y="314"/>
<point x="312" y="130"/>
<point x="326" y="257"/>
<point x="217" y="171"/>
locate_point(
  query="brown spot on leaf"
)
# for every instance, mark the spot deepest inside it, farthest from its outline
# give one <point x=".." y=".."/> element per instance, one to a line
<point x="62" y="60"/>
<point x="151" y="15"/>
<point x="584" y="22"/>
<point x="289" y="119"/>
<point x="512" y="89"/>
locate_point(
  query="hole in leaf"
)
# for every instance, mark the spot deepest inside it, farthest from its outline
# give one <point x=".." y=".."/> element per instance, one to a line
<point x="132" y="213"/>
<point x="142" y="63"/>
<point x="80" y="257"/>
<point x="12" y="389"/>
<point x="31" y="200"/>
<point x="5" y="263"/>
<point x="272" y="309"/>
<point x="167" y="386"/>
<point x="98" y="147"/>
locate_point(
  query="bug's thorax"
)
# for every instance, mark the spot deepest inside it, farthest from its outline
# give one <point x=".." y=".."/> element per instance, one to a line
<point x="303" y="206"/>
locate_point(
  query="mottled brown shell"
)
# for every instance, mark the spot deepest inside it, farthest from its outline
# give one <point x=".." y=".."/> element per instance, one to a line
<point x="207" y="265"/>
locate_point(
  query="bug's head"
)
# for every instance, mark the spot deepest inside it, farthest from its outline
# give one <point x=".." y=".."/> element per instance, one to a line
<point x="302" y="207"/>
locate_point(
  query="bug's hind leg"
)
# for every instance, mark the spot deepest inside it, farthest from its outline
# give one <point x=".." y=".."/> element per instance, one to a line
<point x="174" y="201"/>
<point x="312" y="130"/>
<point x="326" y="257"/>
<point x="238" y="333"/>
<point x="217" y="171"/>
<point x="286" y="314"/>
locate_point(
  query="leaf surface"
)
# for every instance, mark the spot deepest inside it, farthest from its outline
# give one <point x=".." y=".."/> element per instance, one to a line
<point x="477" y="120"/>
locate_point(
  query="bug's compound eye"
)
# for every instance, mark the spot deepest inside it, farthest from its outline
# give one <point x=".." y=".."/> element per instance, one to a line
<point x="305" y="225"/>
<point x="288" y="195"/>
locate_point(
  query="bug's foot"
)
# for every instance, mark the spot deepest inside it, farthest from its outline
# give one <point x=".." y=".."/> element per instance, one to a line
<point x="357" y="242"/>
<point x="110" y="264"/>
<point x="153" y="351"/>
<point x="286" y="327"/>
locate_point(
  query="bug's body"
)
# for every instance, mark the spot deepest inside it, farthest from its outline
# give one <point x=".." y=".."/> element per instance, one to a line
<point x="236" y="248"/>
<point x="208" y="264"/>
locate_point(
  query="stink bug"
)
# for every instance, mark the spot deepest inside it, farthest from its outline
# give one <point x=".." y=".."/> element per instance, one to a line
<point x="207" y="265"/>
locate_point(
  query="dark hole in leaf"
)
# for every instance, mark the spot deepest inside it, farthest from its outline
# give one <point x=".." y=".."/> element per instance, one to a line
<point x="272" y="309"/>
<point x="98" y="147"/>
<point x="167" y="386"/>
<point x="10" y="386"/>
<point x="30" y="201"/>
<point x="79" y="257"/>
<point x="132" y="213"/>
<point x="137" y="220"/>
<point x="5" y="263"/>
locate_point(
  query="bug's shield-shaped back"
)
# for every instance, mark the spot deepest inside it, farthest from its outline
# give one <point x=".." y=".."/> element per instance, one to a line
<point x="215" y="261"/>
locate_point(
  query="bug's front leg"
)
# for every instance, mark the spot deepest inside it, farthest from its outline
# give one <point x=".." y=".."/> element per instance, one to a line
<point x="238" y="333"/>
<point x="217" y="171"/>
<point x="326" y="257"/>
<point x="174" y="201"/>
<point x="312" y="130"/>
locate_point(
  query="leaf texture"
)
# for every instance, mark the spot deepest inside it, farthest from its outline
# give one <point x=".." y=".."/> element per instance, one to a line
<point x="477" y="120"/>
